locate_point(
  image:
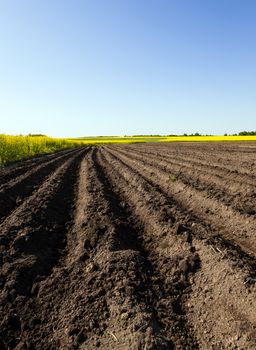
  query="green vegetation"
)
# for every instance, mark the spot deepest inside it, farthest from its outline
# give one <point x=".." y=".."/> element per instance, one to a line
<point x="247" y="133"/>
<point x="172" y="177"/>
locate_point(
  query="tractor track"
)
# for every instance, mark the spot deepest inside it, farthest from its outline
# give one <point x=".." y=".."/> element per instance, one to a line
<point x="100" y="250"/>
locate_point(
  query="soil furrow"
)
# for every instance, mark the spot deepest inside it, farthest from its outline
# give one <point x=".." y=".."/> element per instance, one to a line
<point x="105" y="273"/>
<point x="219" y="172"/>
<point x="219" y="243"/>
<point x="11" y="172"/>
<point x="237" y="165"/>
<point x="40" y="230"/>
<point x="171" y="273"/>
<point x="222" y="150"/>
<point x="129" y="247"/>
<point x="34" y="209"/>
<point x="199" y="228"/>
<point x="13" y="193"/>
<point x="237" y="195"/>
<point x="231" y="225"/>
<point x="220" y="267"/>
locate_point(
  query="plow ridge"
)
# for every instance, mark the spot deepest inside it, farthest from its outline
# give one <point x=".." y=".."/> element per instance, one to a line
<point x="201" y="229"/>
<point x="205" y="209"/>
<point x="240" y="195"/>
<point x="13" y="193"/>
<point x="205" y="164"/>
<point x="11" y="172"/>
<point x="101" y="249"/>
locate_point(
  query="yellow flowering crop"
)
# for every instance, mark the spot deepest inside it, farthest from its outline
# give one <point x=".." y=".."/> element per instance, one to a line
<point x="14" y="148"/>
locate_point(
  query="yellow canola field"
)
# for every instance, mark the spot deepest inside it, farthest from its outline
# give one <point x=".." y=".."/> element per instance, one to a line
<point x="13" y="148"/>
<point x="135" y="139"/>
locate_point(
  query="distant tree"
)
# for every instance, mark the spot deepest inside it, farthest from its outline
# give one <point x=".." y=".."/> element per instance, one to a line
<point x="195" y="134"/>
<point x="247" y="133"/>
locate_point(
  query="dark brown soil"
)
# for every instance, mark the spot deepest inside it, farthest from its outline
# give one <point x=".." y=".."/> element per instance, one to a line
<point x="148" y="246"/>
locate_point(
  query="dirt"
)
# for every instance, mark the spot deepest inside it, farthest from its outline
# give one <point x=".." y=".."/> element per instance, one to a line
<point x="146" y="246"/>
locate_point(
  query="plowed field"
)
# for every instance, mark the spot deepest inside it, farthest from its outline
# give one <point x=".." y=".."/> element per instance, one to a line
<point x="146" y="246"/>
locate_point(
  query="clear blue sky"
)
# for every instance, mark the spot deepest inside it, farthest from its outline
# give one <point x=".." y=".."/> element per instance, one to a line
<point x="115" y="67"/>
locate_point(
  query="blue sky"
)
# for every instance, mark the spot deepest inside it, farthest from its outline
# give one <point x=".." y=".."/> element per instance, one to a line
<point x="116" y="67"/>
